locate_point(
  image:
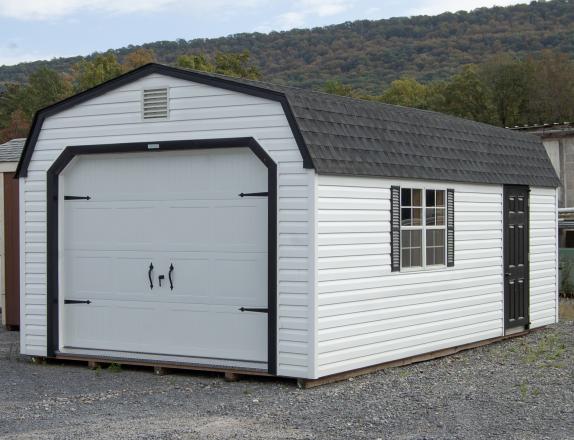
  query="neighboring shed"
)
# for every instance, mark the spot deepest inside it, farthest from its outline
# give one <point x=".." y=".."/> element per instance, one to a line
<point x="177" y="217"/>
<point x="9" y="236"/>
<point x="558" y="139"/>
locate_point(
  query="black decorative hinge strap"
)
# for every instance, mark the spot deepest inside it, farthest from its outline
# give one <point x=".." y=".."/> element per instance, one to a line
<point x="259" y="194"/>
<point x="246" y="309"/>
<point x="75" y="301"/>
<point x="77" y="197"/>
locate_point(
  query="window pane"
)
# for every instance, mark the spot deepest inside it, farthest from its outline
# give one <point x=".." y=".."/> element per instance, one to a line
<point x="440" y="198"/>
<point x="416" y="257"/>
<point x="439" y="216"/>
<point x="435" y="248"/>
<point x="417" y="216"/>
<point x="430" y="256"/>
<point x="439" y="255"/>
<point x="439" y="237"/>
<point x="430" y="197"/>
<point x="406" y="216"/>
<point x="417" y="197"/>
<point x="416" y="238"/>
<point x="406" y="196"/>
<point x="405" y="239"/>
<point x="430" y="238"/>
<point x="431" y="216"/>
<point x="406" y="260"/>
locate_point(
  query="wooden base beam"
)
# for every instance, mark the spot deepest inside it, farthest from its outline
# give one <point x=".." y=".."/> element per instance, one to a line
<point x="93" y="365"/>
<point x="312" y="383"/>
<point x="162" y="367"/>
<point x="160" y="371"/>
<point x="231" y="377"/>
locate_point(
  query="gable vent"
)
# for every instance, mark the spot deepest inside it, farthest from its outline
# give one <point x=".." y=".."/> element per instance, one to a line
<point x="155" y="104"/>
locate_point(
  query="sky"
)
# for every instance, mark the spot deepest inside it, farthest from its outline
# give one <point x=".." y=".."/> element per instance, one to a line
<point x="44" y="29"/>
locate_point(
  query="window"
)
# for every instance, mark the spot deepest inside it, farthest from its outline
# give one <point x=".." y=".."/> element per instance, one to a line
<point x="423" y="227"/>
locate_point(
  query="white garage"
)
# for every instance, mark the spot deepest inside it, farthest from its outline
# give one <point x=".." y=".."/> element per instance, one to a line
<point x="183" y="218"/>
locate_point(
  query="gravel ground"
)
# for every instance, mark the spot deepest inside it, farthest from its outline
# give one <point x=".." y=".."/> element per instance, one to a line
<point x="517" y="389"/>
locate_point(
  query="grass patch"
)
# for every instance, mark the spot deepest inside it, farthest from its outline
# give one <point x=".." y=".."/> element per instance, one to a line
<point x="523" y="389"/>
<point x="546" y="350"/>
<point x="114" y="368"/>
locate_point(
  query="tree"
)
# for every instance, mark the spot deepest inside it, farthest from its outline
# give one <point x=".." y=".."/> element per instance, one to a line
<point x="19" y="103"/>
<point x="195" y="62"/>
<point x="231" y="64"/>
<point x="336" y="87"/>
<point x="406" y="92"/>
<point x="550" y="88"/>
<point x="236" y="64"/>
<point x="467" y="95"/>
<point x="101" y="68"/>
<point x="137" y="58"/>
<point x="17" y="126"/>
<point x="507" y="81"/>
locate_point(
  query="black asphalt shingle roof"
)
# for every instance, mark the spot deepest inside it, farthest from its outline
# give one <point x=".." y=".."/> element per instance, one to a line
<point x="357" y="137"/>
<point x="12" y="150"/>
<point x="345" y="136"/>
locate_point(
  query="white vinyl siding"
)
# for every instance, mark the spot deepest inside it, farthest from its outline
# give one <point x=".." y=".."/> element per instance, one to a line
<point x="195" y="112"/>
<point x="368" y="314"/>
<point x="543" y="257"/>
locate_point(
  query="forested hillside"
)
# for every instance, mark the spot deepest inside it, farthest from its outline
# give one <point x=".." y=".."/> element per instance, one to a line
<point x="369" y="55"/>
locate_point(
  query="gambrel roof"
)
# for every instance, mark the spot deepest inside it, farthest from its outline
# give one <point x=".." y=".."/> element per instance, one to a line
<point x="346" y="136"/>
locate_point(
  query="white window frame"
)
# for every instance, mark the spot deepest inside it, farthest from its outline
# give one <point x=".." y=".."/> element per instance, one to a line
<point x="423" y="227"/>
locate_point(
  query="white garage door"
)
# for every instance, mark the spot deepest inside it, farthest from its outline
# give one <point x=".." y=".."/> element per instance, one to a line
<point x="167" y="253"/>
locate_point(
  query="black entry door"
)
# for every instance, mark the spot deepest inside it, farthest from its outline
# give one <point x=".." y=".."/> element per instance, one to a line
<point x="516" y="270"/>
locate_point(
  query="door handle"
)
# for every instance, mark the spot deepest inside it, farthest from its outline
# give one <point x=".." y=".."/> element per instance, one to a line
<point x="508" y="274"/>
<point x="254" y="309"/>
<point x="169" y="276"/>
<point x="149" y="275"/>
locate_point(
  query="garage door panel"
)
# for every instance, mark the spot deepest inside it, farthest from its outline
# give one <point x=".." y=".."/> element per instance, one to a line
<point x="244" y="285"/>
<point x="246" y="230"/>
<point x="98" y="224"/>
<point x="169" y="208"/>
<point x="142" y="332"/>
<point x="88" y="276"/>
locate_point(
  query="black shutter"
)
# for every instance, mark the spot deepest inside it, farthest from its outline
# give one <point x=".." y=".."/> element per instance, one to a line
<point x="450" y="227"/>
<point x="395" y="228"/>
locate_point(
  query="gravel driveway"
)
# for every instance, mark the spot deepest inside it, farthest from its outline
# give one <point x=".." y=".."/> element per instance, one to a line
<point x="517" y="389"/>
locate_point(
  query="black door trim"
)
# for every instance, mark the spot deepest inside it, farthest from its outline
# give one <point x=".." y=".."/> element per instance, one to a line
<point x="52" y="222"/>
<point x="526" y="320"/>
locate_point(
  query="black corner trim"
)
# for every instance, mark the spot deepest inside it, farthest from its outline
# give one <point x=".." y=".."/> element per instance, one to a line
<point x="174" y="72"/>
<point x="395" y="228"/>
<point x="450" y="227"/>
<point x="52" y="224"/>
